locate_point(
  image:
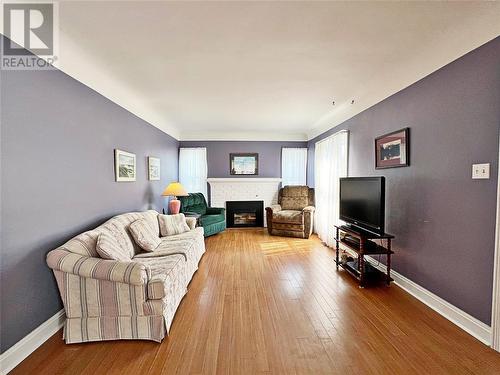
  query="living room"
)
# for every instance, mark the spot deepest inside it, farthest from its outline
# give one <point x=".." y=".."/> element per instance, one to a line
<point x="250" y="187"/>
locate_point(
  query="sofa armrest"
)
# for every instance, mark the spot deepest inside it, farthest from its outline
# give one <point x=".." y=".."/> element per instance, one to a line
<point x="274" y="208"/>
<point x="96" y="268"/>
<point x="308" y="213"/>
<point x="191" y="222"/>
<point x="269" y="216"/>
<point x="215" y="210"/>
<point x="156" y="287"/>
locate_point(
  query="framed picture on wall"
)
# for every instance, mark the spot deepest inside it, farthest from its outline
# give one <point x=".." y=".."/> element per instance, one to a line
<point x="393" y="150"/>
<point x="244" y="164"/>
<point x="153" y="168"/>
<point x="125" y="166"/>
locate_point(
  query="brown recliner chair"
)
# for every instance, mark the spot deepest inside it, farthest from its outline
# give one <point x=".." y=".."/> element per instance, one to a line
<point x="294" y="213"/>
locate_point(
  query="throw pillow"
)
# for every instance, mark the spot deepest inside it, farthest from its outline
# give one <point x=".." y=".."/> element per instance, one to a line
<point x="172" y="224"/>
<point x="108" y="248"/>
<point x="143" y="235"/>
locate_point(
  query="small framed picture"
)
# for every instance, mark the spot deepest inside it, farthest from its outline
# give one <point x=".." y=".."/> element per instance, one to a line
<point x="125" y="166"/>
<point x="393" y="150"/>
<point x="244" y="164"/>
<point x="153" y="168"/>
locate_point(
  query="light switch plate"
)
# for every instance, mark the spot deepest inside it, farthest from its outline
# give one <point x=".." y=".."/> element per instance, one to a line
<point x="481" y="171"/>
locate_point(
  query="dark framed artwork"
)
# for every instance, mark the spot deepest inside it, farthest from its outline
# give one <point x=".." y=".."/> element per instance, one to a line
<point x="393" y="150"/>
<point x="244" y="164"/>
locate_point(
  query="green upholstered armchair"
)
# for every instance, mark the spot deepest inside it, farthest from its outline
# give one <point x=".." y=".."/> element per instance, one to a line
<point x="212" y="219"/>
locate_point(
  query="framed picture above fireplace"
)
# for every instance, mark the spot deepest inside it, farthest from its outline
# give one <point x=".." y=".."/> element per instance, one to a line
<point x="244" y="164"/>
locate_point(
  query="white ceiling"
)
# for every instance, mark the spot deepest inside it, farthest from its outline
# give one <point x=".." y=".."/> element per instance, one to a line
<point x="262" y="70"/>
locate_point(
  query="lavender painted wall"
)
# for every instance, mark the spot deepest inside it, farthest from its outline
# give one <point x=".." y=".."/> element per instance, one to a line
<point x="218" y="155"/>
<point x="443" y="220"/>
<point x="57" y="141"/>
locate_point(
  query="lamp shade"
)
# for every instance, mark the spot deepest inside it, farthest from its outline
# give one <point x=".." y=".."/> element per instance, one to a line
<point x="175" y="189"/>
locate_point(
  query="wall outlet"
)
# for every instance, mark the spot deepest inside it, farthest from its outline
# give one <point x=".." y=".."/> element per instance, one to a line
<point x="481" y="171"/>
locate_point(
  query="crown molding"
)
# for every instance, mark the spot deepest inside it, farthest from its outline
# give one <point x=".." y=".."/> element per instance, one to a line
<point x="242" y="136"/>
<point x="244" y="180"/>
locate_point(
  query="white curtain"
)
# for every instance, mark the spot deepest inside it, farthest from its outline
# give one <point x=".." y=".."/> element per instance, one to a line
<point x="193" y="170"/>
<point x="330" y="163"/>
<point x="293" y="166"/>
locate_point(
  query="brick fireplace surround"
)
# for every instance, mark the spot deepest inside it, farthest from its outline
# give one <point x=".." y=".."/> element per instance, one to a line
<point x="244" y="189"/>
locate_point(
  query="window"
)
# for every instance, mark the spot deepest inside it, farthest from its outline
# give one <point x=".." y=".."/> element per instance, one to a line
<point x="330" y="163"/>
<point x="193" y="169"/>
<point x="293" y="166"/>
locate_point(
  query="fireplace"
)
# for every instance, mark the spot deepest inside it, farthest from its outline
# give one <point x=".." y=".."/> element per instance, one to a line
<point x="244" y="214"/>
<point x="224" y="190"/>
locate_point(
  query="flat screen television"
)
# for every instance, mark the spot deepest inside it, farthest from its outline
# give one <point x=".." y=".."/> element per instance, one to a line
<point x="362" y="202"/>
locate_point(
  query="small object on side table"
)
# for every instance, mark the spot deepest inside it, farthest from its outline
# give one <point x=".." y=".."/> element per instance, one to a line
<point x="174" y="189"/>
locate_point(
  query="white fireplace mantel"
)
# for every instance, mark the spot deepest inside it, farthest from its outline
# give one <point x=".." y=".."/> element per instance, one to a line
<point x="244" y="180"/>
<point x="243" y="189"/>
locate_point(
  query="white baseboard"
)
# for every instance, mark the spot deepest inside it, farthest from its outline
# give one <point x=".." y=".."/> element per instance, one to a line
<point x="468" y="323"/>
<point x="17" y="353"/>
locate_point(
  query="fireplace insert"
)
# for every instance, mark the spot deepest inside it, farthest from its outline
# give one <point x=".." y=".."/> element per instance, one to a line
<point x="244" y="214"/>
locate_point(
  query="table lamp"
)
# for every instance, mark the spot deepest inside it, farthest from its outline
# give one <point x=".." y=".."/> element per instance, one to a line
<point x="174" y="189"/>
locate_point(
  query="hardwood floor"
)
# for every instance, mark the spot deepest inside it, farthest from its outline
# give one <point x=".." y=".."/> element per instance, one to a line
<point x="274" y="305"/>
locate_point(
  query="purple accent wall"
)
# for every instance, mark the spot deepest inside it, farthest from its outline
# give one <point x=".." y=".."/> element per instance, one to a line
<point x="443" y="220"/>
<point x="218" y="155"/>
<point x="57" y="141"/>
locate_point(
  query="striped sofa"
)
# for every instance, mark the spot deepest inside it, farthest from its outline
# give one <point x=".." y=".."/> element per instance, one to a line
<point x="111" y="300"/>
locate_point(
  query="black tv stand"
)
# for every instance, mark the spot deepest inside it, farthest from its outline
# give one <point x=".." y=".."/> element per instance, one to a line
<point x="361" y="242"/>
<point x="355" y="229"/>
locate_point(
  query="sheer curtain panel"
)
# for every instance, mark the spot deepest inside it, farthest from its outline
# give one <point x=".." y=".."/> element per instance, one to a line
<point x="330" y="163"/>
<point x="193" y="170"/>
<point x="293" y="166"/>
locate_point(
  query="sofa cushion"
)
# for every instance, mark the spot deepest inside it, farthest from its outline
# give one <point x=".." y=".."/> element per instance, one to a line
<point x="294" y="197"/>
<point x="172" y="224"/>
<point x="84" y="244"/>
<point x="179" y="247"/>
<point x="161" y="265"/>
<point x="176" y="244"/>
<point x="212" y="219"/>
<point x="288" y="217"/>
<point x="192" y="235"/>
<point x="295" y="191"/>
<point x="294" y="203"/>
<point x="144" y="236"/>
<point x="108" y="248"/>
<point x="118" y="227"/>
<point x="194" y="202"/>
<point x="199" y="209"/>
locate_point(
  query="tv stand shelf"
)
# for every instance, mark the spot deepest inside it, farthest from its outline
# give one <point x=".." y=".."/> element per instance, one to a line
<point x="361" y="242"/>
